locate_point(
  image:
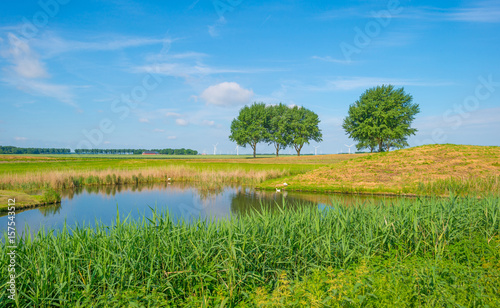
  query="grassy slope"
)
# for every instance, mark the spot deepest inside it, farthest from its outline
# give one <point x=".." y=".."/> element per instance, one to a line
<point x="425" y="170"/>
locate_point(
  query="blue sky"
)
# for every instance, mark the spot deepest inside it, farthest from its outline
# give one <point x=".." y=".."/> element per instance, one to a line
<point x="158" y="74"/>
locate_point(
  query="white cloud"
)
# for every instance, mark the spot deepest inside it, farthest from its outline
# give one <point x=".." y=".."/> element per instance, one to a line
<point x="157" y="130"/>
<point x="20" y="138"/>
<point x="181" y="122"/>
<point x="143" y="120"/>
<point x="208" y="123"/>
<point x="227" y="94"/>
<point x="172" y="137"/>
<point x="25" y="60"/>
<point x="172" y="114"/>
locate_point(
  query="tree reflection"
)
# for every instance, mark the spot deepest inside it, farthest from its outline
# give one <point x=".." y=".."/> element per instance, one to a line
<point x="50" y="210"/>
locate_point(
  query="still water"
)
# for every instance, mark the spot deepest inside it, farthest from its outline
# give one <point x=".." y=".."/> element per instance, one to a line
<point x="88" y="205"/>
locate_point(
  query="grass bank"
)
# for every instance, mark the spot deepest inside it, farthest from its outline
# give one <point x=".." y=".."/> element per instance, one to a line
<point x="425" y="170"/>
<point x="23" y="200"/>
<point x="433" y="252"/>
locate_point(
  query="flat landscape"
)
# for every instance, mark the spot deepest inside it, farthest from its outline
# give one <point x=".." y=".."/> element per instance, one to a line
<point x="364" y="254"/>
<point x="232" y="153"/>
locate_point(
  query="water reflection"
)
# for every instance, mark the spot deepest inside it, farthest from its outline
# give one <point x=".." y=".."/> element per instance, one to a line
<point x="204" y="191"/>
<point x="99" y="204"/>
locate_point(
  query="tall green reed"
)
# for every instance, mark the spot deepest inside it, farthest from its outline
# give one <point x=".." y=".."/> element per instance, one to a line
<point x="203" y="257"/>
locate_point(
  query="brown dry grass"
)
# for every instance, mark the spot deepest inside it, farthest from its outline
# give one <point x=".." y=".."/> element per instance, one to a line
<point x="411" y="170"/>
<point x="62" y="178"/>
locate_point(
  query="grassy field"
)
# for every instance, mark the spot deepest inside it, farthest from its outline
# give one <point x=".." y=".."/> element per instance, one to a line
<point x="429" y="253"/>
<point x="426" y="170"/>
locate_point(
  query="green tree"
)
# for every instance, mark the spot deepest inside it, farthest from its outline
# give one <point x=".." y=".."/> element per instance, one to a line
<point x="249" y="127"/>
<point x="302" y="127"/>
<point x="381" y="117"/>
<point x="277" y="126"/>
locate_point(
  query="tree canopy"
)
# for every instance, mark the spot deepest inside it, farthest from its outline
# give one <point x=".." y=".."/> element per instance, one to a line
<point x="279" y="125"/>
<point x="249" y="127"/>
<point x="381" y="118"/>
<point x="303" y="127"/>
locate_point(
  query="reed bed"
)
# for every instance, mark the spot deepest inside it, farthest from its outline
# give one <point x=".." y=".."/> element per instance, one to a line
<point x="429" y="252"/>
<point x="61" y="179"/>
<point x="464" y="185"/>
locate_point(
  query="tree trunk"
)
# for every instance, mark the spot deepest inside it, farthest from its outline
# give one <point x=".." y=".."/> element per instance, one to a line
<point x="254" y="147"/>
<point x="277" y="150"/>
<point x="298" y="150"/>
<point x="380" y="147"/>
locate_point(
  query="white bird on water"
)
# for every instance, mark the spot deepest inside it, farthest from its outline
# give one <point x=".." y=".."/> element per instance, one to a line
<point x="278" y="190"/>
<point x="285" y="184"/>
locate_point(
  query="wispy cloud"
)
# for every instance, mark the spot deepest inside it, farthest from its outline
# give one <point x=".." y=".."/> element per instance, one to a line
<point x="20" y="138"/>
<point x="52" y="44"/>
<point x="486" y="11"/>
<point x="213" y="30"/>
<point x="147" y="116"/>
<point x="332" y="60"/>
<point x="172" y="114"/>
<point x="27" y="71"/>
<point x="60" y="92"/>
<point x="164" y="56"/>
<point x="480" y="12"/>
<point x="345" y="84"/>
<point x="171" y="137"/>
<point x="188" y="70"/>
<point x="26" y="62"/>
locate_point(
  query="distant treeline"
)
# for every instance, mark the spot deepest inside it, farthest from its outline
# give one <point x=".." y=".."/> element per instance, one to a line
<point x="16" y="150"/>
<point x="137" y="151"/>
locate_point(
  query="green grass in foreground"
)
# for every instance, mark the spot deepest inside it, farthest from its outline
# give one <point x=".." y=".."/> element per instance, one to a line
<point x="432" y="252"/>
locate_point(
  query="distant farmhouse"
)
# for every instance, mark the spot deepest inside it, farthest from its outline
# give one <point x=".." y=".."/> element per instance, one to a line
<point x="150" y="153"/>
